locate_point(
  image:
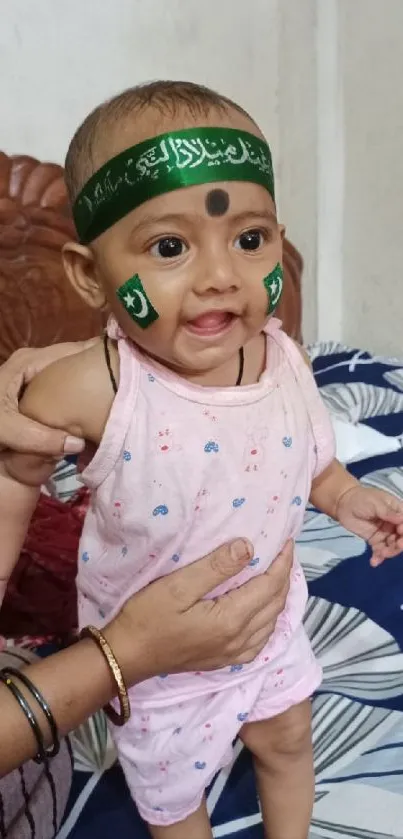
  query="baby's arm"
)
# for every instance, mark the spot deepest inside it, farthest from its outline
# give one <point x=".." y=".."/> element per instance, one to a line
<point x="372" y="514"/>
<point x="75" y="395"/>
<point x="329" y="487"/>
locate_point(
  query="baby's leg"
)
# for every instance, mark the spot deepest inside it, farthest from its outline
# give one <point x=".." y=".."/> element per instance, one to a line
<point x="283" y="758"/>
<point x="196" y="826"/>
<point x="170" y="753"/>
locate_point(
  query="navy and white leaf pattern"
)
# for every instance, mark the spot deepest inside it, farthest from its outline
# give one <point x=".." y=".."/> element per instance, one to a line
<point x="326" y="348"/>
<point x="355" y="620"/>
<point x="390" y="479"/>
<point x="395" y="378"/>
<point x="93" y="749"/>
<point x="357" y="402"/>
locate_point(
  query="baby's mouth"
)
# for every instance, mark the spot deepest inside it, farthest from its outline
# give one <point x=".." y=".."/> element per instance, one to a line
<point x="210" y="323"/>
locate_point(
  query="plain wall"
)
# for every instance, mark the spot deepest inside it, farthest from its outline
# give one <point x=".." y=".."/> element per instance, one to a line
<point x="372" y="76"/>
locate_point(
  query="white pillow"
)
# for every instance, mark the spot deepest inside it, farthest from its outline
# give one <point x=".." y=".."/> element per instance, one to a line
<point x="358" y="441"/>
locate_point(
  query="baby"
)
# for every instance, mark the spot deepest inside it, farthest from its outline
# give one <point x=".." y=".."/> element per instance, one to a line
<point x="207" y="425"/>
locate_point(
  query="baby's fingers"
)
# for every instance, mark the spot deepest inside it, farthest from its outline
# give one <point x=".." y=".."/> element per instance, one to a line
<point x="393" y="546"/>
<point x="382" y="533"/>
<point x="379" y="556"/>
<point x="391" y="510"/>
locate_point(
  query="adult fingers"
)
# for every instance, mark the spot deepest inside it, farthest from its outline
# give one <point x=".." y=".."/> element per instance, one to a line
<point x="241" y="650"/>
<point x="248" y="608"/>
<point x="30" y="362"/>
<point x="240" y="653"/>
<point x="280" y="569"/>
<point x="269" y="589"/>
<point x="264" y="620"/>
<point x="190" y="584"/>
<point x="20" y="434"/>
<point x="254" y="646"/>
<point x="261" y="626"/>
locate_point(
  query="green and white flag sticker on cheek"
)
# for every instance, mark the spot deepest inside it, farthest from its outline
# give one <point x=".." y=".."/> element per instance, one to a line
<point x="134" y="298"/>
<point x="273" y="284"/>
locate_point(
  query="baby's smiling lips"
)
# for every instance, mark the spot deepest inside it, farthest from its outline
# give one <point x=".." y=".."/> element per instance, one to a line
<point x="210" y="323"/>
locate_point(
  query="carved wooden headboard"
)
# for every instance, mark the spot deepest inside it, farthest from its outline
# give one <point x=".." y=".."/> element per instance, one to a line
<point x="37" y="305"/>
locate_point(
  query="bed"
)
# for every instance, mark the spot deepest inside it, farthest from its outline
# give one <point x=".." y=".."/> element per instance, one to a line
<point x="355" y="614"/>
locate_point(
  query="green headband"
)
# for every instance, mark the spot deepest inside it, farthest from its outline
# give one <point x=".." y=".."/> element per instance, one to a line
<point x="162" y="164"/>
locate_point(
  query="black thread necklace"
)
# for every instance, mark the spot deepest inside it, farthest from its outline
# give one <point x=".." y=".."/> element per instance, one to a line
<point x="113" y="380"/>
<point x="241" y="366"/>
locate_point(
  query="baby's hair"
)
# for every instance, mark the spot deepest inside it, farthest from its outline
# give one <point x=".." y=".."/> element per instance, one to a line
<point x="167" y="98"/>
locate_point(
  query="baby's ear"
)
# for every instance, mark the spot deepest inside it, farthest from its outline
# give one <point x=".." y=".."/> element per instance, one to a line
<point x="282" y="230"/>
<point x="79" y="265"/>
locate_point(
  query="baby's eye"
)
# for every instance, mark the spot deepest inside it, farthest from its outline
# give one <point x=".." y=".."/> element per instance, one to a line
<point x="168" y="247"/>
<point x="250" y="240"/>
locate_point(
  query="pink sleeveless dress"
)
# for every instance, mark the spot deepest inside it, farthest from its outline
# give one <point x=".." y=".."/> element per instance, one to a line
<point x="180" y="470"/>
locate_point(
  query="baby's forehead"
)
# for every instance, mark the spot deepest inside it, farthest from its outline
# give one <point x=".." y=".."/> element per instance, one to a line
<point x="226" y="201"/>
<point x="159" y="158"/>
<point x="122" y="134"/>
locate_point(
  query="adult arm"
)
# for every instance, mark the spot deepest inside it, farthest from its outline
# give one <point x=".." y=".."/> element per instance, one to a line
<point x="166" y="627"/>
<point x="73" y="387"/>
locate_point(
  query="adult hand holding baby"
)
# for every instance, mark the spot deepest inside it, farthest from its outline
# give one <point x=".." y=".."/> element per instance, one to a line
<point x="17" y="432"/>
<point x="163" y="628"/>
<point x="186" y="632"/>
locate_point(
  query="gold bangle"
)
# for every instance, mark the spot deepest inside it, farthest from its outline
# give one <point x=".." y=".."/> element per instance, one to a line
<point x="124" y="701"/>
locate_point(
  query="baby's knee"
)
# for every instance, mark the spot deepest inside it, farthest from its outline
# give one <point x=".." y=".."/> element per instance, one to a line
<point x="284" y="737"/>
<point x="292" y="731"/>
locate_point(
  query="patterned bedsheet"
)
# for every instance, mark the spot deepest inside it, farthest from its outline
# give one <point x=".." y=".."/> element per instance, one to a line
<point x="355" y="620"/>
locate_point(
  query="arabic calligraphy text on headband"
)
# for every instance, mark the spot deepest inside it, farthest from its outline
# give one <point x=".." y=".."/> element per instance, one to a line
<point x="162" y="164"/>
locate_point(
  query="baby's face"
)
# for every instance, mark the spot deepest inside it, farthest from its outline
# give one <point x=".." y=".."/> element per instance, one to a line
<point x="201" y="254"/>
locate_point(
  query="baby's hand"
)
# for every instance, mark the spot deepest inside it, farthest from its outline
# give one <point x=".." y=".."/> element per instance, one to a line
<point x="376" y="516"/>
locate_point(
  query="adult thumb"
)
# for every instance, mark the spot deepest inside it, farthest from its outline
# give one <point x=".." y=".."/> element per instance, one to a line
<point x="194" y="581"/>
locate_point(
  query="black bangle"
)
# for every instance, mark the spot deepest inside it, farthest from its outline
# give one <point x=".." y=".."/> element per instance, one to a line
<point x="18" y="674"/>
<point x="33" y="722"/>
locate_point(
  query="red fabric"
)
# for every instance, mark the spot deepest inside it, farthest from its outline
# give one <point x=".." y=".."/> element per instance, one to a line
<point x="40" y="599"/>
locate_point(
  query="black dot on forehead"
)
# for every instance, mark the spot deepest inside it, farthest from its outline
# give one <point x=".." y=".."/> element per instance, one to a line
<point x="217" y="202"/>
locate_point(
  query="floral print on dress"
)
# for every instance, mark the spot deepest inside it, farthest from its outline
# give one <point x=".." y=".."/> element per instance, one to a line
<point x="210" y="415"/>
<point x="254" y="455"/>
<point x="211" y="446"/>
<point x="201" y="501"/>
<point x="166" y="442"/>
<point x="117" y="512"/>
<point x="161" y="510"/>
<point x="238" y="502"/>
